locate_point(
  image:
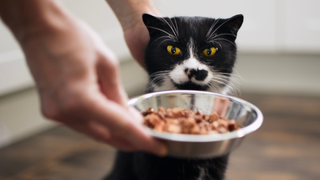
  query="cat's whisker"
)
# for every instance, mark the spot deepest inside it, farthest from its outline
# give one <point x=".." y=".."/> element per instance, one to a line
<point x="170" y="35"/>
<point x="223" y="39"/>
<point x="221" y="83"/>
<point x="218" y="35"/>
<point x="225" y="80"/>
<point x="156" y="79"/>
<point x="211" y="27"/>
<point x="162" y="37"/>
<point x="157" y="76"/>
<point x="234" y="76"/>
<point x="237" y="75"/>
<point x="213" y="87"/>
<point x="172" y="29"/>
<point x="223" y="76"/>
<point x="210" y="87"/>
<point x="220" y="26"/>
<point x="160" y="72"/>
<point x="213" y="42"/>
<point x="228" y="74"/>
<point x="177" y="27"/>
<point x="163" y="42"/>
<point x="228" y="80"/>
<point x="234" y="90"/>
<point x="216" y="81"/>
<point x="219" y="86"/>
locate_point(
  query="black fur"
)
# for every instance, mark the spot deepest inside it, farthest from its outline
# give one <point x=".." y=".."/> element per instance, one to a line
<point x="144" y="166"/>
<point x="182" y="29"/>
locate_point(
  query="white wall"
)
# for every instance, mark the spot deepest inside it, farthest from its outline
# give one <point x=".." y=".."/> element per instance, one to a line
<point x="13" y="72"/>
<point x="269" y="26"/>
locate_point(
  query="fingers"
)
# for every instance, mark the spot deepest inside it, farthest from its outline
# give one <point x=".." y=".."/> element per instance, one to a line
<point x="111" y="111"/>
<point x="95" y="103"/>
<point x="109" y="80"/>
<point x="99" y="133"/>
<point x="122" y="124"/>
<point x="91" y="113"/>
<point x="107" y="69"/>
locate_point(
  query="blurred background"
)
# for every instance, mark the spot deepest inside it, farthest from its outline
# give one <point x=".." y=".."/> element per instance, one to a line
<point x="278" y="62"/>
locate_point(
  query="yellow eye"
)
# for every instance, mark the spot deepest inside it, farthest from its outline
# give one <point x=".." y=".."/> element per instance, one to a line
<point x="209" y="52"/>
<point x="173" y="50"/>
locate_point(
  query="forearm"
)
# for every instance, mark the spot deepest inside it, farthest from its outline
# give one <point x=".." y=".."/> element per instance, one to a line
<point x="28" y="17"/>
<point x="129" y="12"/>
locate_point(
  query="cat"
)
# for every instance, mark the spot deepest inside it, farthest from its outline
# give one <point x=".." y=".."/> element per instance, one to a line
<point x="192" y="53"/>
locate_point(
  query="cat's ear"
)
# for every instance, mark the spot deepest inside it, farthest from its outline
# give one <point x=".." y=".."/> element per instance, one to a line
<point x="150" y="20"/>
<point x="153" y="23"/>
<point x="234" y="23"/>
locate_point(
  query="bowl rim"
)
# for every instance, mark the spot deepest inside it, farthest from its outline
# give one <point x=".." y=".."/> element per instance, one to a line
<point x="202" y="138"/>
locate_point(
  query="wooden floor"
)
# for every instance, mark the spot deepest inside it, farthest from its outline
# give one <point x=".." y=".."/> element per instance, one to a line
<point x="286" y="147"/>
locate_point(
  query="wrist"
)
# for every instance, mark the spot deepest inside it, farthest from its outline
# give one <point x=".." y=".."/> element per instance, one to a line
<point x="129" y="12"/>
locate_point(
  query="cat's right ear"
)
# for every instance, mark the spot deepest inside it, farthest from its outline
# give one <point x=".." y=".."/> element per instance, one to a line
<point x="152" y="23"/>
<point x="150" y="20"/>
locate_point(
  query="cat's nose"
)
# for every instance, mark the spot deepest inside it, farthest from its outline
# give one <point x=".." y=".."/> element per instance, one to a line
<point x="199" y="75"/>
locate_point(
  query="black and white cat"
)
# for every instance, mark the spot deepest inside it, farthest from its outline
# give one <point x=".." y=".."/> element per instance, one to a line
<point x="194" y="53"/>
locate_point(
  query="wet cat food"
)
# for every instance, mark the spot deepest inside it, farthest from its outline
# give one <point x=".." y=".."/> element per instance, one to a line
<point x="186" y="121"/>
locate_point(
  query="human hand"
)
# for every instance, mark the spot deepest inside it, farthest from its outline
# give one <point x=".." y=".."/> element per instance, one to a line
<point x="137" y="38"/>
<point x="79" y="85"/>
<point x="130" y="17"/>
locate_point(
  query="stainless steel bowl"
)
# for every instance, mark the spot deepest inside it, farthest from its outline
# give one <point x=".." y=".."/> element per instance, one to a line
<point x="202" y="146"/>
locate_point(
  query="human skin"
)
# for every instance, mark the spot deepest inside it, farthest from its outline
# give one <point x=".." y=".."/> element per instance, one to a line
<point x="130" y="18"/>
<point x="76" y="75"/>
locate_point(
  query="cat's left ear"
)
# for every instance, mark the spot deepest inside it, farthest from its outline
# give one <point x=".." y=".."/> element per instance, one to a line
<point x="234" y="23"/>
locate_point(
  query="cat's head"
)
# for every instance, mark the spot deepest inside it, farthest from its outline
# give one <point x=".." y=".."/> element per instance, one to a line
<point x="195" y="53"/>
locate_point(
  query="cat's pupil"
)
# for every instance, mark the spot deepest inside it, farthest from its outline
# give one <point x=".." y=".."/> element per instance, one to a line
<point x="173" y="50"/>
<point x="208" y="51"/>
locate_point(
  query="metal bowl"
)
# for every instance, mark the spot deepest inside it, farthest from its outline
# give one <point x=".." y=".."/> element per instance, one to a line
<point x="202" y="146"/>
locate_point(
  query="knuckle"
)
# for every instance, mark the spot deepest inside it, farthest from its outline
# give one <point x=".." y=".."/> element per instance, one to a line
<point x="111" y="62"/>
<point x="113" y="68"/>
<point x="78" y="102"/>
<point x="71" y="105"/>
<point x="60" y="105"/>
<point x="50" y="111"/>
